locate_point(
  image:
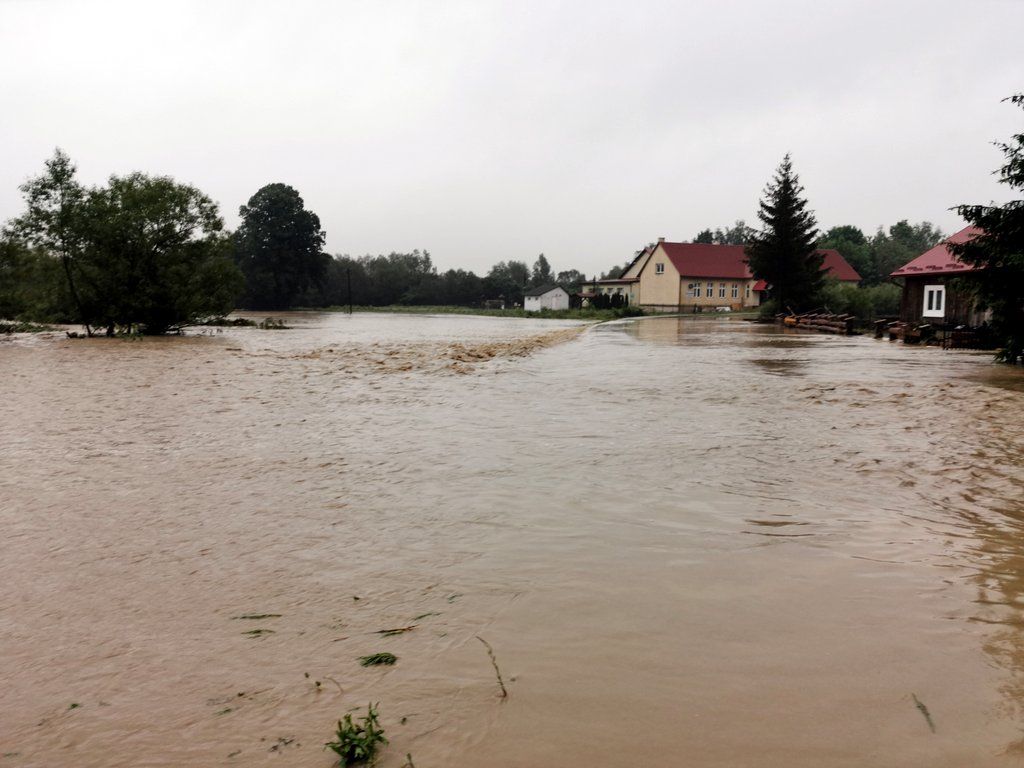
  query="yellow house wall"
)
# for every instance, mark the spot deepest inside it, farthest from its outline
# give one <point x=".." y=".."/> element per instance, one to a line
<point x="637" y="268"/>
<point x="716" y="300"/>
<point x="655" y="289"/>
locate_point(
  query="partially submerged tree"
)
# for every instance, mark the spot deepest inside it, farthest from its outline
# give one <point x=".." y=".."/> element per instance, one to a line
<point x="783" y="252"/>
<point x="143" y="253"/>
<point x="53" y="221"/>
<point x="155" y="255"/>
<point x="279" y="247"/>
<point x="999" y="251"/>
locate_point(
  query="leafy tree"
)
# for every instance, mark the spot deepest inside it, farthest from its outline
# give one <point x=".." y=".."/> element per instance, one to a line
<point x="142" y="252"/>
<point x="541" y="274"/>
<point x="853" y="244"/>
<point x="615" y="272"/>
<point x="783" y="252"/>
<point x="571" y="279"/>
<point x="279" y="248"/>
<point x="738" y="234"/>
<point x="508" y="280"/>
<point x="52" y="220"/>
<point x="154" y="255"/>
<point x="999" y="252"/>
<point x="400" y="278"/>
<point x="705" y="236"/>
<point x="903" y="242"/>
<point x="460" y="288"/>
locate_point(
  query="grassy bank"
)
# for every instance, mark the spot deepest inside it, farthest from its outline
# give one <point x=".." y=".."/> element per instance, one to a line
<point x="544" y="314"/>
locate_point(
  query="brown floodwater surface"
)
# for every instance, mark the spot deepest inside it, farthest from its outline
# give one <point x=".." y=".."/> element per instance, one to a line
<point x="695" y="542"/>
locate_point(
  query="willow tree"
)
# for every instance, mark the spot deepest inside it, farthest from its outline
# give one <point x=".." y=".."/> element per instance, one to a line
<point x="784" y="252"/>
<point x="998" y="253"/>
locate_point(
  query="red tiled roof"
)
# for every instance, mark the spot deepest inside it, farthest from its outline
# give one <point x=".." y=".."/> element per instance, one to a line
<point x="938" y="260"/>
<point x="760" y="285"/>
<point x="838" y="267"/>
<point x="730" y="261"/>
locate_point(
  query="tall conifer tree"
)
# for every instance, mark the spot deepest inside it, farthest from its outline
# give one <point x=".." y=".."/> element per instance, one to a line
<point x="783" y="252"/>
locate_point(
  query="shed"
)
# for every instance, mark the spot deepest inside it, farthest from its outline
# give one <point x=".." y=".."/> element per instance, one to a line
<point x="546" y="297"/>
<point x="929" y="294"/>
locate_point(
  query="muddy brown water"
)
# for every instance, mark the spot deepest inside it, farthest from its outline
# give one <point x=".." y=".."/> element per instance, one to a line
<point x="689" y="542"/>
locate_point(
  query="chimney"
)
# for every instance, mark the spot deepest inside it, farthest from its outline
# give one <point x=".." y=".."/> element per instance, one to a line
<point x="661" y="239"/>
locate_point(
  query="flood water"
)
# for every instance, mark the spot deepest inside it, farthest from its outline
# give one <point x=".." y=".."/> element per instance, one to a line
<point x="694" y="542"/>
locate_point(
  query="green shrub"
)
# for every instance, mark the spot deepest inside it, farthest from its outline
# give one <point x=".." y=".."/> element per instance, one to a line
<point x="866" y="304"/>
<point x="356" y="743"/>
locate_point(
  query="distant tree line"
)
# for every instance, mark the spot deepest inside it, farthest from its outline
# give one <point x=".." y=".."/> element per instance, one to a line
<point x="412" y="279"/>
<point x="146" y="254"/>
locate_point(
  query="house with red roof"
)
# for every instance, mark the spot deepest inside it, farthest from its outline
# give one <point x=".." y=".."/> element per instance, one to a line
<point x="699" y="277"/>
<point x="929" y="289"/>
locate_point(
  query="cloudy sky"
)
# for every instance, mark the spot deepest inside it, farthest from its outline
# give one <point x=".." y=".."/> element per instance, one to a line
<point x="484" y="131"/>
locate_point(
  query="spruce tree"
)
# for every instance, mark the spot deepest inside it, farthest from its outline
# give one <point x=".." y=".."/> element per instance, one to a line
<point x="783" y="253"/>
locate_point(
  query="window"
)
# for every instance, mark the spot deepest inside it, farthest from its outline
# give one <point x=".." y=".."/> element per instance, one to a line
<point x="735" y="291"/>
<point x="934" y="301"/>
<point x="696" y="290"/>
<point x="711" y="290"/>
<point x="748" y="291"/>
<point x="721" y="290"/>
<point x="659" y="269"/>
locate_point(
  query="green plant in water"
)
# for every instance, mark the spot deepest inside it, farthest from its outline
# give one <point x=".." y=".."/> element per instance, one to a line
<point x="356" y="743"/>
<point x="376" y="659"/>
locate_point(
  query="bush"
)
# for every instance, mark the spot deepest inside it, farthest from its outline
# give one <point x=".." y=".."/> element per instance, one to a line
<point x="356" y="744"/>
<point x="866" y="304"/>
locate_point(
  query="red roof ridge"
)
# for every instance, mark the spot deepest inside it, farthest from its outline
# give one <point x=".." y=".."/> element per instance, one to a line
<point x="938" y="259"/>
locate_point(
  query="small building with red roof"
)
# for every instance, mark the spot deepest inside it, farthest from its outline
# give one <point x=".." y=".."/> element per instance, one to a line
<point x="683" y="277"/>
<point x="929" y="293"/>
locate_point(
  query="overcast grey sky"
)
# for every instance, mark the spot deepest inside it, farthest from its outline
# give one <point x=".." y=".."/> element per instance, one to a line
<point x="485" y="131"/>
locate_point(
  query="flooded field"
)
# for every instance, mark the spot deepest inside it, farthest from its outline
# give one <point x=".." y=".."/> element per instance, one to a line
<point x="693" y="542"/>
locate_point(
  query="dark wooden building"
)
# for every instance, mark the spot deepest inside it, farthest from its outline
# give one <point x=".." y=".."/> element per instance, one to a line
<point x="929" y="288"/>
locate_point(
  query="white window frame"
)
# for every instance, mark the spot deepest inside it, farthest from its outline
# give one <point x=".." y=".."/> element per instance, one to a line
<point x="659" y="268"/>
<point x="711" y="290"/>
<point x="934" y="301"/>
<point x="721" y="290"/>
<point x="695" y="290"/>
<point x="735" y="291"/>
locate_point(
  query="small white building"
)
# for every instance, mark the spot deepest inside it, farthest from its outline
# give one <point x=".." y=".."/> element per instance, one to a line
<point x="546" y="297"/>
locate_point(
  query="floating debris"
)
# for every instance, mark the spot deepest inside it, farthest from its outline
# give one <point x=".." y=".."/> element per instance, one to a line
<point x="377" y="659"/>
<point x="924" y="711"/>
<point x="395" y="631"/>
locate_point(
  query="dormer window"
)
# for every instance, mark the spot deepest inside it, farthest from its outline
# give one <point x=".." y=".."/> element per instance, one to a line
<point x="659" y="268"/>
